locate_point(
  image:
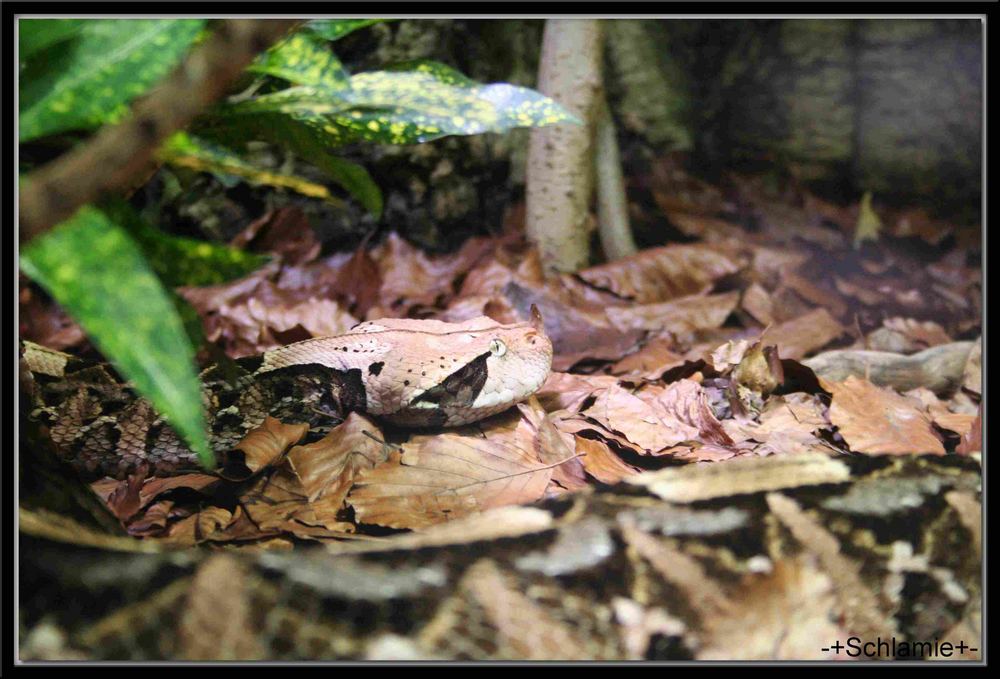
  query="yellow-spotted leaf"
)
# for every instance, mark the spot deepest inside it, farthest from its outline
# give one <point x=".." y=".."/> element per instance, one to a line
<point x="183" y="150"/>
<point x="302" y="58"/>
<point x="335" y="29"/>
<point x="87" y="78"/>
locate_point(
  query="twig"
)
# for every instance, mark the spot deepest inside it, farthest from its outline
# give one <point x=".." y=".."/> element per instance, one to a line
<point x="117" y="153"/>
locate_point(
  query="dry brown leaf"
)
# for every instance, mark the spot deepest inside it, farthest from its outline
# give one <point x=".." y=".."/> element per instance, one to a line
<point x="707" y="229"/>
<point x="812" y="293"/>
<point x="729" y="355"/>
<point x="773" y="263"/>
<point x="447" y="476"/>
<point x="759" y="370"/>
<point x="640" y="422"/>
<point x="576" y="334"/>
<point x="600" y="462"/>
<point x="565" y="391"/>
<point x="552" y="447"/>
<point x="654" y="358"/>
<point x="42" y="321"/>
<point x="208" y="524"/>
<point x="757" y="302"/>
<point x="664" y="273"/>
<point x="972" y="442"/>
<point x="327" y="468"/>
<point x="265" y="445"/>
<point x="686" y="401"/>
<point x="359" y="281"/>
<point x="797" y="338"/>
<point x="657" y="418"/>
<point x="285" y="231"/>
<point x="960" y="423"/>
<point x="878" y="421"/>
<point x="681" y="316"/>
<point x="411" y="278"/>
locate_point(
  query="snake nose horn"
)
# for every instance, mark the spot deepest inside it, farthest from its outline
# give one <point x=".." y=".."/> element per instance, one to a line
<point x="536" y="319"/>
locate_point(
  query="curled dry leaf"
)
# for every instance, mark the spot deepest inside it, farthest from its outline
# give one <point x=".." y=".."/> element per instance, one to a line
<point x="758" y="303"/>
<point x="411" y="278"/>
<point x="601" y="462"/>
<point x="729" y="355"/>
<point x="797" y="338"/>
<point x="447" y="476"/>
<point x="658" y="418"/>
<point x="285" y="231"/>
<point x="576" y="334"/>
<point x="812" y="293"/>
<point x="277" y="503"/>
<point x="327" y="468"/>
<point x="654" y="358"/>
<point x="681" y="316"/>
<point x="265" y="445"/>
<point x="939" y="412"/>
<point x="878" y="421"/>
<point x="566" y="391"/>
<point x="664" y="273"/>
<point x="972" y="441"/>
<point x="760" y="369"/>
<point x="358" y="281"/>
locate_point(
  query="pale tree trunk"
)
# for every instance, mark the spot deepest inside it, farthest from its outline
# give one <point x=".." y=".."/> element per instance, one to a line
<point x="612" y="204"/>
<point x="560" y="160"/>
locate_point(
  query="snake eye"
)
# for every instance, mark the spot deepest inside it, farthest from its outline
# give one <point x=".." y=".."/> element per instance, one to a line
<point x="497" y="348"/>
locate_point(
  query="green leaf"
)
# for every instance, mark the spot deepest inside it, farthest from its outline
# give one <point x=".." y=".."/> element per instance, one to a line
<point x="182" y="150"/>
<point x="406" y="108"/>
<point x="35" y="35"/>
<point x="98" y="274"/>
<point x="183" y="261"/>
<point x="302" y="59"/>
<point x="440" y="72"/>
<point x="309" y="141"/>
<point x="85" y="82"/>
<point x="334" y="29"/>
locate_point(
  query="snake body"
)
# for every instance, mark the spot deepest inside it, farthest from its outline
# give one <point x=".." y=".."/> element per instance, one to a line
<point x="414" y="373"/>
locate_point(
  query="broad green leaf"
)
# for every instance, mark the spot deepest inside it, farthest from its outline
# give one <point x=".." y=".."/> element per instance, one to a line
<point x="302" y="59"/>
<point x="334" y="29"/>
<point x="85" y="82"/>
<point x="183" y="261"/>
<point x="182" y="150"/>
<point x="441" y="72"/>
<point x="309" y="141"/>
<point x="98" y="274"/>
<point x="406" y="108"/>
<point x="34" y="35"/>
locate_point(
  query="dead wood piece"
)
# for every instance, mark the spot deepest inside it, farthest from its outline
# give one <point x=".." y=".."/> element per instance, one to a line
<point x="939" y="368"/>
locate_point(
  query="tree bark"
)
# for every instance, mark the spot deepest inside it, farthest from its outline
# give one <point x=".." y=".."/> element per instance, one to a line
<point x="612" y="203"/>
<point x="560" y="164"/>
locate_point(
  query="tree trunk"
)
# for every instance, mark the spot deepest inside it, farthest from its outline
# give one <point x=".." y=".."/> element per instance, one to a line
<point x="560" y="165"/>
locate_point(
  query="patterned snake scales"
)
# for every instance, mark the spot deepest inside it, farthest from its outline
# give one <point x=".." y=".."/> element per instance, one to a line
<point x="412" y="373"/>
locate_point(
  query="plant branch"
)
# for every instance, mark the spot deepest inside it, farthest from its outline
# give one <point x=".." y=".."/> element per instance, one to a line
<point x="117" y="153"/>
